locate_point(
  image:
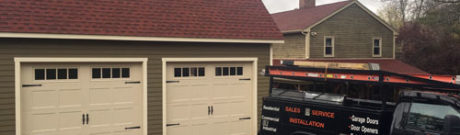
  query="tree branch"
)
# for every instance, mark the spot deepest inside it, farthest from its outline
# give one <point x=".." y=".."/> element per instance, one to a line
<point x="447" y="1"/>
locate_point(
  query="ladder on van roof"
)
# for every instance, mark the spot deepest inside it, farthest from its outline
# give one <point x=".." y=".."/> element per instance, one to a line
<point x="361" y="73"/>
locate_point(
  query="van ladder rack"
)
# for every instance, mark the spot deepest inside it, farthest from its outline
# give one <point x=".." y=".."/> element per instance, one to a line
<point x="425" y="81"/>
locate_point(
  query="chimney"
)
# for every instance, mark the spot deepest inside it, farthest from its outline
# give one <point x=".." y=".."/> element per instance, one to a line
<point x="307" y="4"/>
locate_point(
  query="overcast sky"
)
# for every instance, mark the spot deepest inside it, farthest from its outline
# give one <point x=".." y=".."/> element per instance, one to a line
<point x="275" y="6"/>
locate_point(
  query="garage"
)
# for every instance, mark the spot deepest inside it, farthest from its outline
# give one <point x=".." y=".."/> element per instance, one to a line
<point x="84" y="98"/>
<point x="79" y="67"/>
<point x="218" y="95"/>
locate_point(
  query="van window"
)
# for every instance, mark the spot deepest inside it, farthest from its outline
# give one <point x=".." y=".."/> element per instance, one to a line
<point x="429" y="116"/>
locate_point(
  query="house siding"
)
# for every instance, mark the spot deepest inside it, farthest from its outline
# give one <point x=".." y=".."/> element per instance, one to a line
<point x="353" y="30"/>
<point x="154" y="51"/>
<point x="293" y="47"/>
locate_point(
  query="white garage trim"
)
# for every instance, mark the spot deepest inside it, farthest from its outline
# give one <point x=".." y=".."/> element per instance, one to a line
<point x="19" y="60"/>
<point x="254" y="66"/>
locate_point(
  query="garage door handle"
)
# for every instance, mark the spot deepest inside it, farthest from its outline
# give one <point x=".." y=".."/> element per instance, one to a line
<point x="209" y="110"/>
<point x="169" y="125"/>
<point x="132" y="82"/>
<point x="83" y="119"/>
<point x="87" y="119"/>
<point x="135" y="127"/>
<point x="31" y="85"/>
<point x="245" y="118"/>
<point x="212" y="110"/>
<point x="245" y="79"/>
<point x="172" y="81"/>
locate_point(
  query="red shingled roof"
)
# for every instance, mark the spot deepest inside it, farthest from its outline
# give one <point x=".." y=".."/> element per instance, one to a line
<point x="303" y="18"/>
<point x="389" y="65"/>
<point x="217" y="19"/>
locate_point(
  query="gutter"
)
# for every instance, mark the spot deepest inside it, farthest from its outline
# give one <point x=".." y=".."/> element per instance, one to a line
<point x="131" y="38"/>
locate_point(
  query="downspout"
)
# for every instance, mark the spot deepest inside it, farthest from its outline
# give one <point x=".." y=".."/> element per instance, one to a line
<point x="306" y="33"/>
<point x="395" y="34"/>
<point x="271" y="54"/>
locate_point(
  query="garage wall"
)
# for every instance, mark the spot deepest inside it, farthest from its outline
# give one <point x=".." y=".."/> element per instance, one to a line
<point x="10" y="48"/>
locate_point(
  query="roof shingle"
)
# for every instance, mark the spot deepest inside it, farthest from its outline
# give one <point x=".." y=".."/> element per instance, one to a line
<point x="215" y="19"/>
<point x="300" y="19"/>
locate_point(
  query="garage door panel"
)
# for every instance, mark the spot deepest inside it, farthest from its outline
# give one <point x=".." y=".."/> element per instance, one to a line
<point x="115" y="130"/>
<point x="127" y="132"/>
<point x="222" y="91"/>
<point x="223" y="108"/>
<point x="242" y="91"/>
<point x="177" y="95"/>
<point x="41" y="122"/>
<point x="240" y="108"/>
<point x="180" y="130"/>
<point x="199" y="92"/>
<point x="69" y="98"/>
<point x="102" y="132"/>
<point x="101" y="118"/>
<point x="125" y="116"/>
<point x="244" y="107"/>
<point x="178" y="112"/>
<point x="202" y="129"/>
<point x="209" y="103"/>
<point x="125" y="95"/>
<point x="232" y="110"/>
<point x="220" y="128"/>
<point x="70" y="121"/>
<point x="100" y="96"/>
<point x="240" y="127"/>
<point x="59" y="106"/>
<point x="70" y="132"/>
<point x="40" y="99"/>
<point x="199" y="112"/>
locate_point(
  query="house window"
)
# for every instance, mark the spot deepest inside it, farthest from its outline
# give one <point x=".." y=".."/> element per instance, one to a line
<point x="328" y="46"/>
<point x="377" y="47"/>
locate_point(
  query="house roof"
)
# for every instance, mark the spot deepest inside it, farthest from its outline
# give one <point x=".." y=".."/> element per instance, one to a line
<point x="207" y="19"/>
<point x="389" y="65"/>
<point x="299" y="19"/>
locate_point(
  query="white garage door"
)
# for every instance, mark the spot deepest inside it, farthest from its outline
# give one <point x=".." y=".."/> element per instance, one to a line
<point x="209" y="98"/>
<point x="81" y="99"/>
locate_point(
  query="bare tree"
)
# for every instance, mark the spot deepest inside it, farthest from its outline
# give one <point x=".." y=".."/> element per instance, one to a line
<point x="403" y="4"/>
<point x="418" y="7"/>
<point x="390" y="15"/>
<point x="411" y="10"/>
<point x="399" y="5"/>
<point x="448" y="1"/>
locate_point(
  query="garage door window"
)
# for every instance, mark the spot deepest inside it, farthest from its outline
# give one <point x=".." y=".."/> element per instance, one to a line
<point x="229" y="71"/>
<point x="189" y="72"/>
<point x="56" y="74"/>
<point x="107" y="73"/>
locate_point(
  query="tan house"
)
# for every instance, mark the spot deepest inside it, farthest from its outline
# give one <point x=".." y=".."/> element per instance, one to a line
<point x="342" y="31"/>
<point x="133" y="67"/>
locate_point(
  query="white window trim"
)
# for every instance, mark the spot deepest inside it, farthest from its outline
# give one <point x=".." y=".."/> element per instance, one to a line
<point x="17" y="73"/>
<point x="380" y="47"/>
<point x="333" y="46"/>
<point x="254" y="61"/>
